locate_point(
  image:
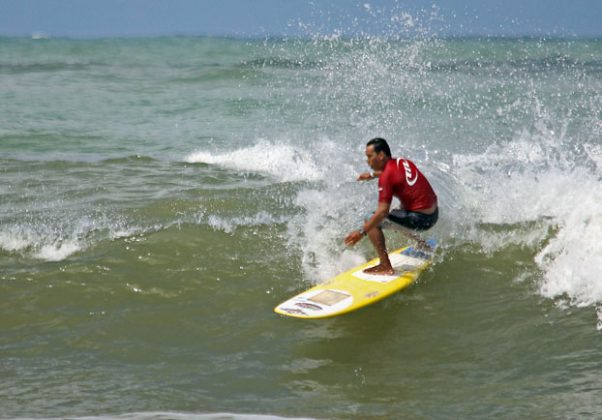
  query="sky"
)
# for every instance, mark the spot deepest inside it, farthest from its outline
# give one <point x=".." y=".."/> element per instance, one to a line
<point x="262" y="18"/>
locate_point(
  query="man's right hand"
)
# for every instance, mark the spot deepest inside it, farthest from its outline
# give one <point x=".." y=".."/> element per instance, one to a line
<point x="353" y="238"/>
<point x="366" y="176"/>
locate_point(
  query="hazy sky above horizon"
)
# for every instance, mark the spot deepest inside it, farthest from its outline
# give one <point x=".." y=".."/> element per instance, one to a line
<point x="252" y="18"/>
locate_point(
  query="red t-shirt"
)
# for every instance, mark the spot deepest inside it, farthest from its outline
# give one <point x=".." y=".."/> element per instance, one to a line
<point x="402" y="179"/>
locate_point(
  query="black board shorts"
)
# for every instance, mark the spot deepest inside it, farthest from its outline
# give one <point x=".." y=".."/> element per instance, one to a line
<point x="411" y="219"/>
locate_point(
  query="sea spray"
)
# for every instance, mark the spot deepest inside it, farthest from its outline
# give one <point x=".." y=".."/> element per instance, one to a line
<point x="546" y="185"/>
<point x="501" y="150"/>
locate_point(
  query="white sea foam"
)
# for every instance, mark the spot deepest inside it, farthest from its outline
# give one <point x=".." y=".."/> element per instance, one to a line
<point x="11" y="242"/>
<point x="58" y="251"/>
<point x="319" y="232"/>
<point x="539" y="178"/>
<point x="228" y="225"/>
<point x="285" y="162"/>
<point x="569" y="209"/>
<point x="38" y="242"/>
<point x="54" y="239"/>
<point x="572" y="260"/>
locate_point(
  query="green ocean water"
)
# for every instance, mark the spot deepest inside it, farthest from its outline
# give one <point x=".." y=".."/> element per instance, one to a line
<point x="160" y="196"/>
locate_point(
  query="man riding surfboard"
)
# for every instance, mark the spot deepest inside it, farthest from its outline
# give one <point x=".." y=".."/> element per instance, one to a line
<point x="397" y="177"/>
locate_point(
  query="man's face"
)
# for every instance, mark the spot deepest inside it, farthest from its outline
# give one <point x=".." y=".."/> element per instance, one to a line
<point x="375" y="160"/>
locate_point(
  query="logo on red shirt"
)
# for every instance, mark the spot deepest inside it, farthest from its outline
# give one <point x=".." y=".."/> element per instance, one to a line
<point x="406" y="166"/>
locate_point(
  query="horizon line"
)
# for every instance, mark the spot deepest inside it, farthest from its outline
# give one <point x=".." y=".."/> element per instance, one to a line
<point x="44" y="36"/>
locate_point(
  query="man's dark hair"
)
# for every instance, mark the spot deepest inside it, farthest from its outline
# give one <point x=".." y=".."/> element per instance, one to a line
<point x="380" y="145"/>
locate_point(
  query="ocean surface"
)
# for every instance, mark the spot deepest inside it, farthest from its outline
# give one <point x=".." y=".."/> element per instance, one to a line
<point x="158" y="197"/>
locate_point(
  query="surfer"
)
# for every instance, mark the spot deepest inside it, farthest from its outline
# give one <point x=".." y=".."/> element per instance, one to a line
<point x="400" y="178"/>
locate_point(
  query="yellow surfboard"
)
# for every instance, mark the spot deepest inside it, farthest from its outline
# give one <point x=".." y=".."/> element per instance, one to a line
<point x="355" y="289"/>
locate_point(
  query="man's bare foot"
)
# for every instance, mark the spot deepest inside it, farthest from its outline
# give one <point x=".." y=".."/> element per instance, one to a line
<point x="380" y="270"/>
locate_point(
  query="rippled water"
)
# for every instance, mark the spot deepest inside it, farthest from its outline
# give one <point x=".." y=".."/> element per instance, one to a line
<point x="160" y="196"/>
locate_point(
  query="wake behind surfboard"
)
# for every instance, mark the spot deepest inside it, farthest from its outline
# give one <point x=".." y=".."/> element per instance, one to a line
<point x="355" y="289"/>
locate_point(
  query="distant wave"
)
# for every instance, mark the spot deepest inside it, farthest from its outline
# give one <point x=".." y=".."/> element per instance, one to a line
<point x="166" y="415"/>
<point x="45" y="67"/>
